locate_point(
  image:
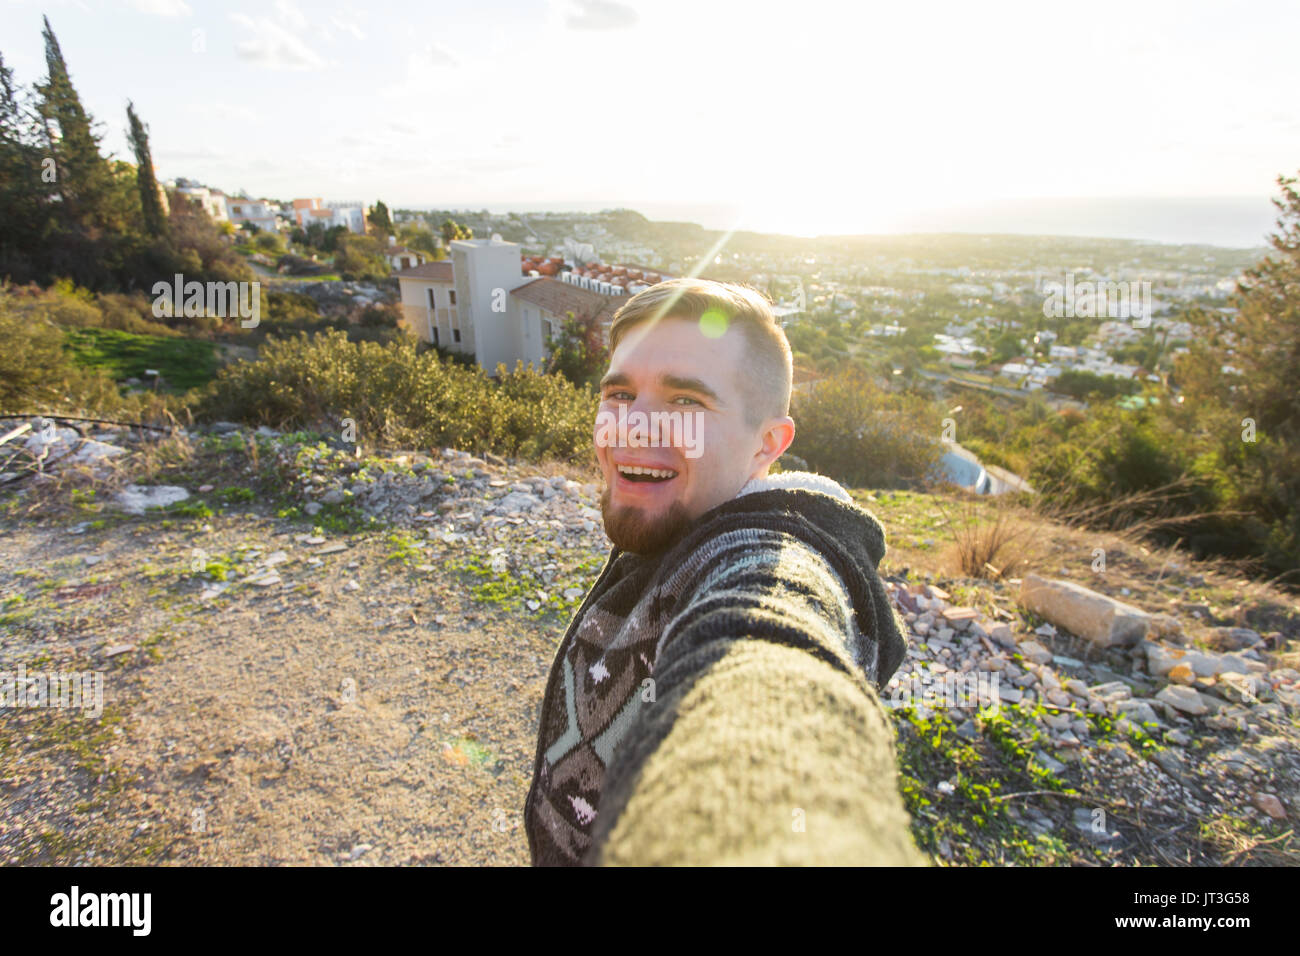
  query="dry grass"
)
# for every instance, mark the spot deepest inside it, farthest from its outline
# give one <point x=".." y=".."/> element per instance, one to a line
<point x="51" y="492"/>
<point x="992" y="550"/>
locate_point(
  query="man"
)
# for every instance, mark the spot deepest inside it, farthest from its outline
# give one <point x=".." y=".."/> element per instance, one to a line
<point x="715" y="697"/>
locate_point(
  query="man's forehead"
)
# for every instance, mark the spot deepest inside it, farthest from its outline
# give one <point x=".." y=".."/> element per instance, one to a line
<point x="676" y="346"/>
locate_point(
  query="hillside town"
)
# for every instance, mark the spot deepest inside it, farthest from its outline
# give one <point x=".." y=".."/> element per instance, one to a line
<point x="991" y="325"/>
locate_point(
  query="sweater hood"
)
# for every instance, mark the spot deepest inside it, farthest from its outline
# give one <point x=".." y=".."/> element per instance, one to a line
<point x="818" y="511"/>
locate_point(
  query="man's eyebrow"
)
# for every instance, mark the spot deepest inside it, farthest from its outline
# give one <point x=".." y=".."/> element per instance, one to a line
<point x="689" y="385"/>
<point x="684" y="383"/>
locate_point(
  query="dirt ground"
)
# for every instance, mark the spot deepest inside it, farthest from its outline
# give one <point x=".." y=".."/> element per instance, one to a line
<point x="360" y="710"/>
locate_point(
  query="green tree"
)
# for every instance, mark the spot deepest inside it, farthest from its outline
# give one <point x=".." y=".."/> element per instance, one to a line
<point x="150" y="199"/>
<point x="451" y="229"/>
<point x="84" y="179"/>
<point x="381" y="224"/>
<point x="24" y="210"/>
<point x="578" y="352"/>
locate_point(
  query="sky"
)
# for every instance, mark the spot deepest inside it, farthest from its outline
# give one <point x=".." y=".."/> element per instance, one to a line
<point x="801" y="117"/>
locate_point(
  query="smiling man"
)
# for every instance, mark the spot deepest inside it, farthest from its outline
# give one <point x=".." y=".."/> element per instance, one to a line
<point x="714" y="699"/>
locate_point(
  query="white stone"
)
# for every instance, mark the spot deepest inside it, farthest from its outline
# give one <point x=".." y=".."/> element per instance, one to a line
<point x="1084" y="612"/>
<point x="136" y="499"/>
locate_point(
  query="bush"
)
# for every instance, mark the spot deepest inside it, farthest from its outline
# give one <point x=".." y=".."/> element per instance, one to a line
<point x="37" y="374"/>
<point x="400" y="397"/>
<point x="852" y="430"/>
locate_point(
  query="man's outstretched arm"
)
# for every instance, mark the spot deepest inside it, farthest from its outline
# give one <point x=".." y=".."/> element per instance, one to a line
<point x="766" y="742"/>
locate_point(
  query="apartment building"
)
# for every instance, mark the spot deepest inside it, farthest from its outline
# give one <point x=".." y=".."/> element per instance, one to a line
<point x="489" y="301"/>
<point x="314" y="209"/>
<point x="260" y="212"/>
<point x="212" y="201"/>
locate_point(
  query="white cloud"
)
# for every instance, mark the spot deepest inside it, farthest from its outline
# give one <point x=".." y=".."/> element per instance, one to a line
<point x="348" y="26"/>
<point x="600" y="15"/>
<point x="290" y="15"/>
<point x="163" y="8"/>
<point x="275" y="47"/>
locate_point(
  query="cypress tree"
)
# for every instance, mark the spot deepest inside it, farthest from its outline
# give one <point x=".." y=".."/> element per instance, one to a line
<point x="84" y="179"/>
<point x="150" y="202"/>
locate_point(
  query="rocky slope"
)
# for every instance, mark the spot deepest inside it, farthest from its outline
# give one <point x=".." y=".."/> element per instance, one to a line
<point x="312" y="657"/>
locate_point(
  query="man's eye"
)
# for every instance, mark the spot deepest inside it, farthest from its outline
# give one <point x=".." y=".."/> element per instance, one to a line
<point x="686" y="398"/>
<point x="618" y="396"/>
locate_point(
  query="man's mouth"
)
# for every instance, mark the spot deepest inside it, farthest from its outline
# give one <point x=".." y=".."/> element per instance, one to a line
<point x="638" y="473"/>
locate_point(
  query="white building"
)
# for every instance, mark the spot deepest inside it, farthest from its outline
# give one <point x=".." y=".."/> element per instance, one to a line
<point x="400" y="257"/>
<point x="480" y="302"/>
<point x="352" y="215"/>
<point x="260" y="212"/>
<point x="212" y="201"/>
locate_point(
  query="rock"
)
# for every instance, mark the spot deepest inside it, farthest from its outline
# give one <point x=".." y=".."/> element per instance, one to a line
<point x="1183" y="699"/>
<point x="1003" y="634"/>
<point x="312" y="508"/>
<point x="1048" y="762"/>
<point x="1112" y="690"/>
<point x="968" y="731"/>
<point x="1137" y="711"/>
<point x="1165" y="627"/>
<point x="1162" y="660"/>
<point x="517" y="501"/>
<point x="1178" y="738"/>
<point x="571" y="593"/>
<point x="1235" y="638"/>
<point x="1010" y="694"/>
<point x="90" y="452"/>
<point x="1182" y="674"/>
<point x="1059" y="697"/>
<point x="1091" y="825"/>
<point x="1170" y="761"/>
<point x="959" y="618"/>
<point x="1033" y="651"/>
<point x="118" y="649"/>
<point x="1270" y="805"/>
<point x="1090" y="615"/>
<point x="212" y="590"/>
<point x="1045" y="630"/>
<point x="136" y="499"/>
<point x="333" y="548"/>
<point x="222" y="428"/>
<point x="335" y="496"/>
<point x="1239" y="688"/>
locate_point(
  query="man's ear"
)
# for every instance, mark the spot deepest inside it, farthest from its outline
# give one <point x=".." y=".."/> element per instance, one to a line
<point x="777" y="434"/>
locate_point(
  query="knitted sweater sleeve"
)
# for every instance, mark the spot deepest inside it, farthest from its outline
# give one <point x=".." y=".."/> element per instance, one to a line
<point x="765" y="742"/>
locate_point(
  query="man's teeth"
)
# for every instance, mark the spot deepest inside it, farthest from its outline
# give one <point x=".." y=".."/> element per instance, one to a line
<point x="652" y="472"/>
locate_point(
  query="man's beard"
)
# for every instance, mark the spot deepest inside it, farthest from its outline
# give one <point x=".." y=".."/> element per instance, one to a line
<point x="632" y="530"/>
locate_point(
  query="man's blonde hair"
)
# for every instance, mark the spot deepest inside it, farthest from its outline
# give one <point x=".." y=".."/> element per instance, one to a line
<point x="766" y="376"/>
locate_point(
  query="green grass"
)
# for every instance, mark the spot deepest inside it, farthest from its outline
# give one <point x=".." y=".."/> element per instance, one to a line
<point x="184" y="363"/>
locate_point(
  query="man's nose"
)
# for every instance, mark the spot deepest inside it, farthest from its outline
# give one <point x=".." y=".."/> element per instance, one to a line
<point x="647" y="420"/>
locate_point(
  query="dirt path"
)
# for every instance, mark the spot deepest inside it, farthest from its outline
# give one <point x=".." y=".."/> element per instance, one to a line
<point x="359" y="709"/>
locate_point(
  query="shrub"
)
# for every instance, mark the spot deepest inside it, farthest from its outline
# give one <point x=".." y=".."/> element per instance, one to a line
<point x="850" y="429"/>
<point x="400" y="397"/>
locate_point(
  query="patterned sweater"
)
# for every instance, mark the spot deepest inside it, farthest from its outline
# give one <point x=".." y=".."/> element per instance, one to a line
<point x="716" y="701"/>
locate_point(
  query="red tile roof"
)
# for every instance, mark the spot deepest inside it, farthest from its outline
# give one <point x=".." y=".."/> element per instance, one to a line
<point x="559" y="297"/>
<point x="439" y="271"/>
